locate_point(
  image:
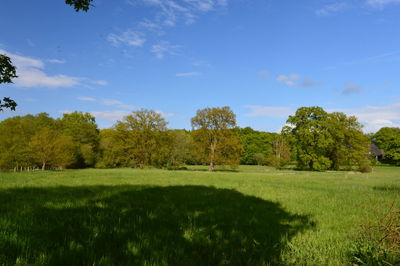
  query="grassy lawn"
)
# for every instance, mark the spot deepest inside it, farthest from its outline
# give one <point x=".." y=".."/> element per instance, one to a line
<point x="252" y="216"/>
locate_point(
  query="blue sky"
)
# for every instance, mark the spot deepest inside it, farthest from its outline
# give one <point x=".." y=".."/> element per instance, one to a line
<point x="263" y="58"/>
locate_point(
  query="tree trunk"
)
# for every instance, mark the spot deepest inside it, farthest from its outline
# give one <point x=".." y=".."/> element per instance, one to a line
<point x="211" y="168"/>
<point x="43" y="166"/>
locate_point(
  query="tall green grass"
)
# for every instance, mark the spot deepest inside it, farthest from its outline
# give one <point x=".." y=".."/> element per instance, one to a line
<point x="252" y="216"/>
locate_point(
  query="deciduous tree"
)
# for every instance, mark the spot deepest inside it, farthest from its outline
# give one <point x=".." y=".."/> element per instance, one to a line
<point x="215" y="138"/>
<point x="49" y="148"/>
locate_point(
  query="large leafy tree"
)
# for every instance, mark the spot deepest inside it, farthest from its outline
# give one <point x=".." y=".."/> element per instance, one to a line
<point x="311" y="138"/>
<point x="327" y="141"/>
<point x="350" y="145"/>
<point x="215" y="137"/>
<point x="15" y="134"/>
<point x="388" y="139"/>
<point x="142" y="138"/>
<point x="83" y="130"/>
<point x="49" y="148"/>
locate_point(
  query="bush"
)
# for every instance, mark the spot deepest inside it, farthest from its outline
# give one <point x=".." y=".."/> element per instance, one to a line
<point x="379" y="244"/>
<point x="365" y="167"/>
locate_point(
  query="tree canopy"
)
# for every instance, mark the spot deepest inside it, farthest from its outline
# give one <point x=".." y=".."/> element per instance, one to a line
<point x="323" y="141"/>
<point x="214" y="137"/>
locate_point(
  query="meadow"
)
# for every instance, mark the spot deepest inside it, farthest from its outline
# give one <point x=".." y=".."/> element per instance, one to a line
<point x="250" y="216"/>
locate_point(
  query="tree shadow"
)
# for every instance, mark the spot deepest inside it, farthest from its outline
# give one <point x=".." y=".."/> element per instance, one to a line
<point x="138" y="225"/>
<point x="387" y="188"/>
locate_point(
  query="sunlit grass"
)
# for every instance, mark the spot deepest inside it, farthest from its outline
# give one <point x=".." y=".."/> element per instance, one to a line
<point x="248" y="216"/>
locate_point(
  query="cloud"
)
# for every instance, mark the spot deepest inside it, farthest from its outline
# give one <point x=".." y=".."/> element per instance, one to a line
<point x="31" y="73"/>
<point x="163" y="48"/>
<point x="375" y="117"/>
<point x="169" y="12"/>
<point x="128" y="38"/>
<point x="269" y="111"/>
<point x="294" y="80"/>
<point x="380" y="4"/>
<point x="108" y="102"/>
<point x="351" y="88"/>
<point x="188" y="74"/>
<point x="165" y="115"/>
<point x="86" y="99"/>
<point x="116" y="115"/>
<point x="263" y="73"/>
<point x="288" y="80"/>
<point x="110" y="116"/>
<point x="56" y="61"/>
<point x="331" y="9"/>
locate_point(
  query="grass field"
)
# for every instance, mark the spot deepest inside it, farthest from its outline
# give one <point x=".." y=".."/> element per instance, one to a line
<point x="253" y="216"/>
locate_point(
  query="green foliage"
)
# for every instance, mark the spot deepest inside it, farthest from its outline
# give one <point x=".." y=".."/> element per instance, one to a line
<point x="388" y="139"/>
<point x="311" y="138"/>
<point x="281" y="152"/>
<point x="7" y="103"/>
<point x="141" y="139"/>
<point x="324" y="141"/>
<point x="15" y="134"/>
<point x="379" y="244"/>
<point x="214" y="136"/>
<point x="7" y="73"/>
<point x="7" y="70"/>
<point x="180" y="148"/>
<point x="50" y="148"/>
<point x="254" y="142"/>
<point x="79" y="5"/>
<point x="83" y="130"/>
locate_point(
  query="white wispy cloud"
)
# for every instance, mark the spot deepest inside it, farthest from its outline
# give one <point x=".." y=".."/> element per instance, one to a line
<point x="164" y="48"/>
<point x="188" y="74"/>
<point x="31" y="73"/>
<point x="117" y="115"/>
<point x="128" y="38"/>
<point x="332" y="9"/>
<point x="108" y="102"/>
<point x="372" y="117"/>
<point x="169" y="12"/>
<point x="289" y="80"/>
<point x="165" y="115"/>
<point x="375" y="117"/>
<point x="110" y="116"/>
<point x="294" y="80"/>
<point x="381" y="3"/>
<point x="86" y="99"/>
<point x="351" y="88"/>
<point x="56" y="61"/>
<point x="269" y="111"/>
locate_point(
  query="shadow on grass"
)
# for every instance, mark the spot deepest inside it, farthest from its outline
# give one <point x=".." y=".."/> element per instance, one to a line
<point x="389" y="188"/>
<point x="137" y="225"/>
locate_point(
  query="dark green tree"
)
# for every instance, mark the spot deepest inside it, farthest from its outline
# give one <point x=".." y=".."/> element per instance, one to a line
<point x="388" y="139"/>
<point x="83" y="130"/>
<point x="254" y="142"/>
<point x="79" y="5"/>
<point x="7" y="73"/>
<point x="311" y="138"/>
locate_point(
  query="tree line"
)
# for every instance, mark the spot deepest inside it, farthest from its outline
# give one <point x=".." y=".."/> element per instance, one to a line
<point x="312" y="140"/>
